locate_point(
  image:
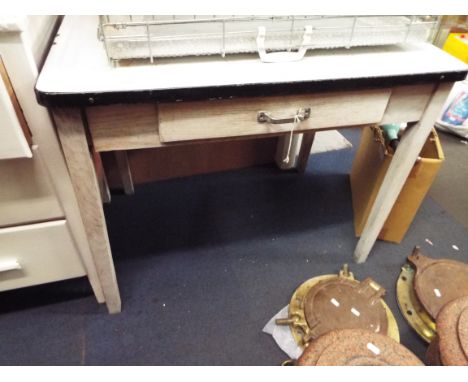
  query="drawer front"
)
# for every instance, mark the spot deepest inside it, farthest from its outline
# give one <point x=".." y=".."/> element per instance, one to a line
<point x="184" y="121"/>
<point x="37" y="253"/>
<point x="26" y="192"/>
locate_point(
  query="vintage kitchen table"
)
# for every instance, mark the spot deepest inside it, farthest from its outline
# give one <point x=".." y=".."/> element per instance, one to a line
<point x="98" y="107"/>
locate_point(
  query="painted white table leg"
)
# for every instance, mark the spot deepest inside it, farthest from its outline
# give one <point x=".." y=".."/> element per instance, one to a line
<point x="72" y="135"/>
<point x="398" y="171"/>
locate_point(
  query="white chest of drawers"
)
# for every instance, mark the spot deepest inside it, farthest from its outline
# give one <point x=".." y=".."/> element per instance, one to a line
<point x="42" y="237"/>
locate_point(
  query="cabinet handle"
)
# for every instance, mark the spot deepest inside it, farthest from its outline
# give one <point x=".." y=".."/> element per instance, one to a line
<point x="9" y="265"/>
<point x="301" y="114"/>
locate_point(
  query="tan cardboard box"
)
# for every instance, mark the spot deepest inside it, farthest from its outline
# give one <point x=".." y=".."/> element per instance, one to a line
<point x="369" y="168"/>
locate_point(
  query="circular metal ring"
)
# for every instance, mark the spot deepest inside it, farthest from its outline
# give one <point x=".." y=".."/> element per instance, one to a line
<point x="298" y="323"/>
<point x="413" y="311"/>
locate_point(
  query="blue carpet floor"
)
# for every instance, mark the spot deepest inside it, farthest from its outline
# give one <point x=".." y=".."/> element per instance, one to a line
<point x="204" y="262"/>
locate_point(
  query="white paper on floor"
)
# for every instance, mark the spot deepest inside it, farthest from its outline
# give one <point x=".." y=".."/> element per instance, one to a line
<point x="282" y="335"/>
<point x="329" y="140"/>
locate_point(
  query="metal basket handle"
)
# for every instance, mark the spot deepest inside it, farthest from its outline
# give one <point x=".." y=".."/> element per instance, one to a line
<point x="9" y="265"/>
<point x="283" y="56"/>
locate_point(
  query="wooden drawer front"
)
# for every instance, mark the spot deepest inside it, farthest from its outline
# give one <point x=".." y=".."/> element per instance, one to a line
<point x="232" y="118"/>
<point x="26" y="192"/>
<point x="36" y="254"/>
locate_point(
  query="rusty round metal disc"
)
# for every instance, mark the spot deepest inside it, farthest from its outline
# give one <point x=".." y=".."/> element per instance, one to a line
<point x="366" y="361"/>
<point x="451" y="330"/>
<point x="433" y="354"/>
<point x="345" y="304"/>
<point x="463" y="331"/>
<point x="369" y="347"/>
<point x="438" y="282"/>
<point x="356" y="347"/>
<point x="315" y="348"/>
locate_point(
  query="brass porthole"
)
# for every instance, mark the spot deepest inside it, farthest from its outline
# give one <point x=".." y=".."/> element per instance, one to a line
<point x="414" y="313"/>
<point x="330" y="302"/>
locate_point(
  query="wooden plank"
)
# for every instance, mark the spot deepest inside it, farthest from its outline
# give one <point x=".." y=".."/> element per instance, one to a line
<point x="407" y="103"/>
<point x="304" y="152"/>
<point x="135" y="126"/>
<point x="400" y="167"/>
<point x="125" y="172"/>
<point x="184" y="121"/>
<point x="75" y="148"/>
<point x="149" y="165"/>
<point x="124" y="127"/>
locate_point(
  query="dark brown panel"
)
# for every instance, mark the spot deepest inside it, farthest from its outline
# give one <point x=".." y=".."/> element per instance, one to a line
<point x="177" y="161"/>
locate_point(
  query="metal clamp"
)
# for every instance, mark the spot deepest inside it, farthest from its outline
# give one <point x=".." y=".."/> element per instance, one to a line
<point x="265" y="117"/>
<point x="283" y="56"/>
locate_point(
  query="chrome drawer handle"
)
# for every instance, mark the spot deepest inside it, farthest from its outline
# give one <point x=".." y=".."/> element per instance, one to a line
<point x="9" y="265"/>
<point x="301" y="114"/>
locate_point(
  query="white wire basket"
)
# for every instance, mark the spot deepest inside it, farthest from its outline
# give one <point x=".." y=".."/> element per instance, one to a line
<point x="152" y="37"/>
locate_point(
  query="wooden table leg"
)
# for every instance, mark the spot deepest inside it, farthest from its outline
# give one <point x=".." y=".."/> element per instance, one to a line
<point x="74" y="143"/>
<point x="399" y="169"/>
<point x="101" y="177"/>
<point x="304" y="152"/>
<point x="282" y="151"/>
<point x="125" y="172"/>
